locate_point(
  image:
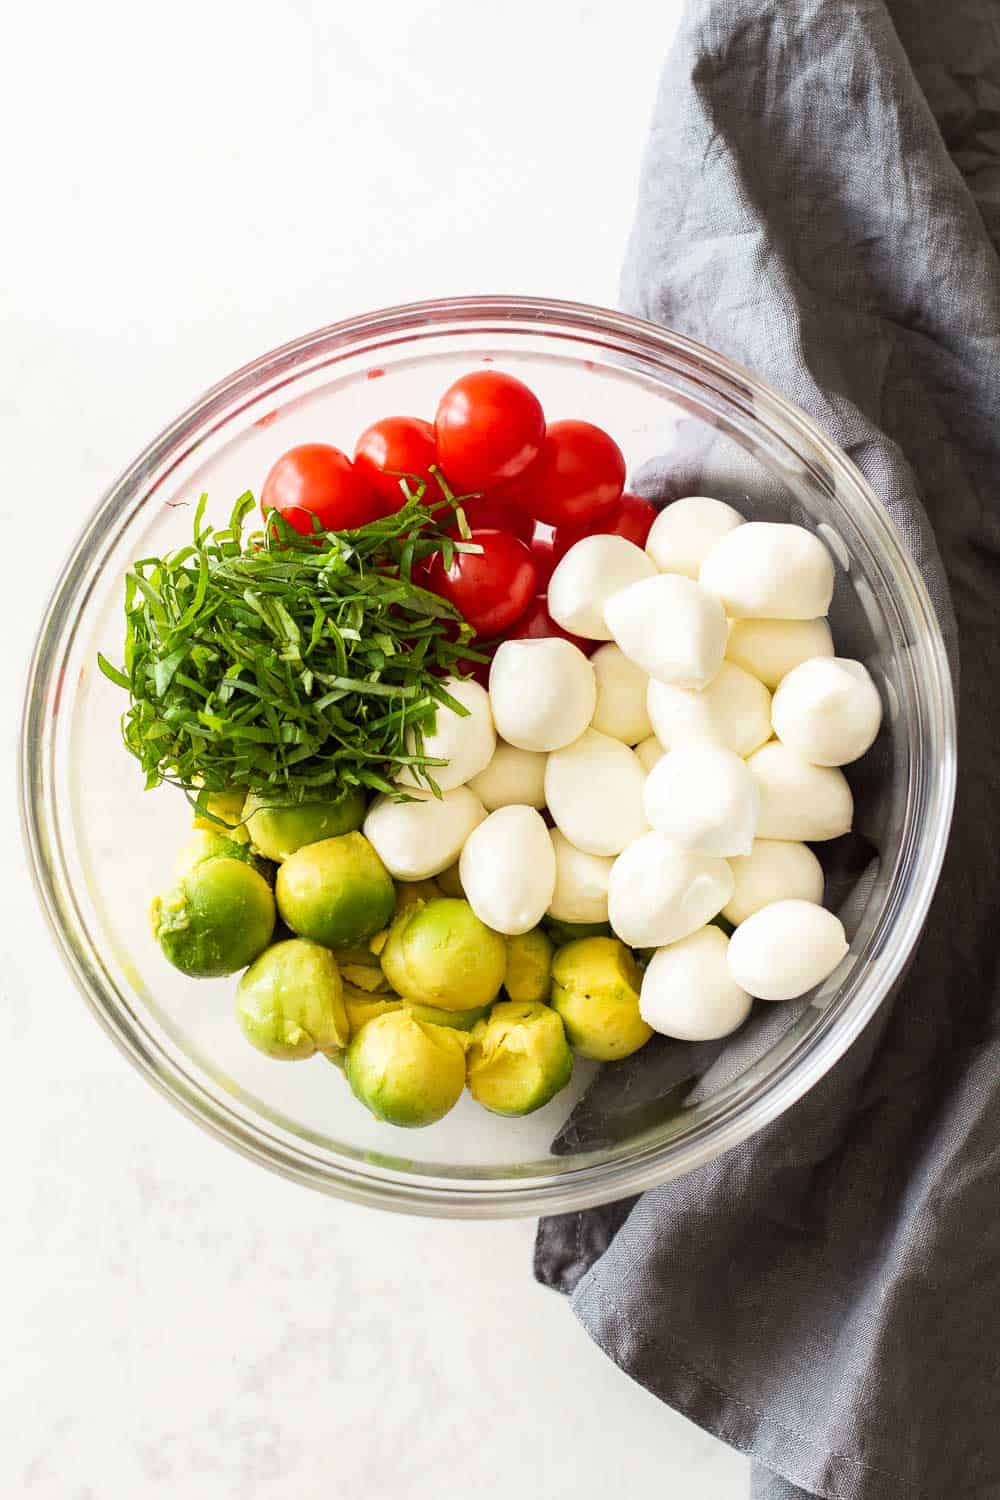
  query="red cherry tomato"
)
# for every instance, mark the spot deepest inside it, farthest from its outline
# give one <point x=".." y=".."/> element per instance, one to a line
<point x="544" y="552"/>
<point x="317" y="480"/>
<point x="577" y="478"/>
<point x="631" y="518"/>
<point x="537" y="624"/>
<point x="490" y="589"/>
<point x="393" y="447"/>
<point x="489" y="429"/>
<point x="494" y="513"/>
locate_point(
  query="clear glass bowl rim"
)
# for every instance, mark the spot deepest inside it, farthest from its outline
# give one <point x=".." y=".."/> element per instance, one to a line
<point x="713" y="1130"/>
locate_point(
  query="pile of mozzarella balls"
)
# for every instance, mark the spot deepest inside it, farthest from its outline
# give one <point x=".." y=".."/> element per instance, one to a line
<point x="686" y="765"/>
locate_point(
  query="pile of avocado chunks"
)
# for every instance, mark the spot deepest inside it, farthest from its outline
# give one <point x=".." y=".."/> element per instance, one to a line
<point x="399" y="984"/>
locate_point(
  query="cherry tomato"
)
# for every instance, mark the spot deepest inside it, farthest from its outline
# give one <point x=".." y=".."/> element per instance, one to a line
<point x="393" y="447"/>
<point x="537" y="624"/>
<point x="577" y="478"/>
<point x="489" y="429"/>
<point x="544" y="552"/>
<point x="317" y="480"/>
<point x="494" y="513"/>
<point x="631" y="518"/>
<point x="490" y="589"/>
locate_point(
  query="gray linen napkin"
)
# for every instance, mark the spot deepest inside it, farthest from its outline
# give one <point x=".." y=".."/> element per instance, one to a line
<point x="821" y="200"/>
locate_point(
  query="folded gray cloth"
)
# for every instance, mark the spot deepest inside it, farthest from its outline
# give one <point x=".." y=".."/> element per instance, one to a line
<point x="821" y="200"/>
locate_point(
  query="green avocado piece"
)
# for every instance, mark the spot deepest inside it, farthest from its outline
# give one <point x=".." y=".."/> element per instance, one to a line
<point x="405" y="1071"/>
<point x="277" y="829"/>
<point x="224" y="810"/>
<point x="461" y="1020"/>
<point x="290" y="1002"/>
<point x="336" y="892"/>
<point x="595" y="990"/>
<point x="441" y="954"/>
<point x="362" y="1007"/>
<point x="368" y="977"/>
<point x="519" y="1059"/>
<point x="203" y="844"/>
<point x="216" y="919"/>
<point x="529" y="964"/>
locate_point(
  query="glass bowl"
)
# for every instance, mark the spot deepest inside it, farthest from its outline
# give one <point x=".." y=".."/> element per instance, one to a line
<point x="689" y="421"/>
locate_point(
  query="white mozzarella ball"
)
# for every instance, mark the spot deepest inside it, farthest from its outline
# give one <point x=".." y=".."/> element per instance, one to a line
<point x="659" y="891"/>
<point x="671" y="627"/>
<point x="581" y="893"/>
<point x="593" y="789"/>
<point x="621" y="696"/>
<point x="785" y="949"/>
<point x="465" y="741"/>
<point x="685" y="532"/>
<point x="771" y="571"/>
<point x="769" y="649"/>
<point x="649" y="752"/>
<point x="590" y="572"/>
<point x="827" y="709"/>
<point x="513" y="778"/>
<point x="734" y="711"/>
<point x="799" y="800"/>
<point x="543" y="693"/>
<point x="703" y="797"/>
<point x="508" y="870"/>
<point x="688" y="991"/>
<point x="774" y="870"/>
<point x="422" y="837"/>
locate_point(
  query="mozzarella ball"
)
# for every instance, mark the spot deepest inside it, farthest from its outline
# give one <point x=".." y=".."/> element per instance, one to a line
<point x="799" y="800"/>
<point x="466" y="742"/>
<point x="508" y="870"/>
<point x="593" y="789"/>
<point x="590" y="572"/>
<point x="422" y="837"/>
<point x="688" y="991"/>
<point x="785" y="949"/>
<point x="769" y="649"/>
<point x="581" y="893"/>
<point x="621" y="696"/>
<point x="828" y="710"/>
<point x="649" y="752"/>
<point x="703" y="797"/>
<point x="659" y="891"/>
<point x="734" y="711"/>
<point x="766" y="570"/>
<point x="774" y="870"/>
<point x="543" y="693"/>
<point x="671" y="627"/>
<point x="513" y="778"/>
<point x="685" y="532"/>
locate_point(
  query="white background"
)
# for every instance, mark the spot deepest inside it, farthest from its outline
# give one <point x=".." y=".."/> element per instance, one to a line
<point x="185" y="186"/>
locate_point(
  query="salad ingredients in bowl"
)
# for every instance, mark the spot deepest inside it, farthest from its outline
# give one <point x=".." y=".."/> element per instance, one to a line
<point x="341" y="814"/>
<point x="311" y="685"/>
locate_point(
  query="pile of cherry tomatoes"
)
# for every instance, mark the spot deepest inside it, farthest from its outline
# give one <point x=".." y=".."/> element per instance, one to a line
<point x="529" y="490"/>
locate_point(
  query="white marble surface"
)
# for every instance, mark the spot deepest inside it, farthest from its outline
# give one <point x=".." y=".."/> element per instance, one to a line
<point x="191" y="185"/>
